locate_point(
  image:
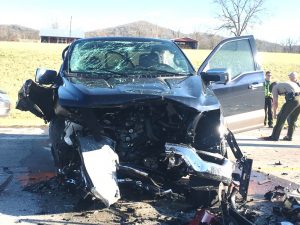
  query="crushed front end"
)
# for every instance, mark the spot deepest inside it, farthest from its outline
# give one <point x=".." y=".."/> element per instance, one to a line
<point x="158" y="128"/>
<point x="160" y="143"/>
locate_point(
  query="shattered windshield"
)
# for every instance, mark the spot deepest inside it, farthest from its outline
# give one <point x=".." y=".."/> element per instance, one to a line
<point x="115" y="58"/>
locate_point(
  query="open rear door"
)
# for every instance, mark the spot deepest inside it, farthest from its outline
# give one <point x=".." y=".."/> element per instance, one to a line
<point x="242" y="97"/>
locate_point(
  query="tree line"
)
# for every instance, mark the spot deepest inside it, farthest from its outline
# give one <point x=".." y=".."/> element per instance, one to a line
<point x="17" y="33"/>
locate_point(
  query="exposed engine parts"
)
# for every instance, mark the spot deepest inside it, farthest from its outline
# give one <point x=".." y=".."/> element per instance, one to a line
<point x="160" y="146"/>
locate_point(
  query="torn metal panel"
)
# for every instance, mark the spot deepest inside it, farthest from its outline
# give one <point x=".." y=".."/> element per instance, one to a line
<point x="238" y="218"/>
<point x="37" y="99"/>
<point x="202" y="168"/>
<point x="244" y="164"/>
<point x="101" y="164"/>
<point x="230" y="215"/>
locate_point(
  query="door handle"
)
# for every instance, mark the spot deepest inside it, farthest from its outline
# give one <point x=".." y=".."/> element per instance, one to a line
<point x="255" y="85"/>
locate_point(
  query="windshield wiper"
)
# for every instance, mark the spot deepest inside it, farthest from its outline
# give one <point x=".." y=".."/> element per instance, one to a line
<point x="172" y="73"/>
<point x="113" y="72"/>
<point x="160" y="72"/>
<point x="95" y="74"/>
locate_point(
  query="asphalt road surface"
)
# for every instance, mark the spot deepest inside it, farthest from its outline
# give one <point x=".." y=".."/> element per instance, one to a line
<point x="25" y="159"/>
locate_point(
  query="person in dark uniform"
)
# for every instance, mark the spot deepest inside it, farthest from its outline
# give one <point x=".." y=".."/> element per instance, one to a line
<point x="293" y="78"/>
<point x="268" y="100"/>
<point x="290" y="108"/>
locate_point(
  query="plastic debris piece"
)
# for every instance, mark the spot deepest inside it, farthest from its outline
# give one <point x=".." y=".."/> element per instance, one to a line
<point x="264" y="181"/>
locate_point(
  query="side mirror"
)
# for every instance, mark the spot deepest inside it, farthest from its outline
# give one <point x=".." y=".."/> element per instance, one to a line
<point x="45" y="76"/>
<point x="221" y="76"/>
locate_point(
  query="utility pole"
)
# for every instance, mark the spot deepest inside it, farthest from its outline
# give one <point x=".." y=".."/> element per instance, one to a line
<point x="70" y="33"/>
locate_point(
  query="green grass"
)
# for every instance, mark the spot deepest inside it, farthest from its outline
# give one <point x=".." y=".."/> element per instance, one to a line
<point x="280" y="64"/>
<point x="18" y="62"/>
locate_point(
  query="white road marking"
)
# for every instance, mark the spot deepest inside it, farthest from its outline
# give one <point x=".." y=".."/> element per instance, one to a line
<point x="21" y="137"/>
<point x="47" y="148"/>
<point x="24" y="130"/>
<point x="23" y="133"/>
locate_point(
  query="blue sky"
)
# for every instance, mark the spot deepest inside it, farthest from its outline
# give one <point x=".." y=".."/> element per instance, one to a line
<point x="186" y="16"/>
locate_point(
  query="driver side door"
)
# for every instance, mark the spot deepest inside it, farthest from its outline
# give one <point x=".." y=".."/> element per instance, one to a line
<point x="242" y="96"/>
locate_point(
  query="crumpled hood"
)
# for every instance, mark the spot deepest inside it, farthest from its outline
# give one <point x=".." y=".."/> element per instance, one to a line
<point x="94" y="93"/>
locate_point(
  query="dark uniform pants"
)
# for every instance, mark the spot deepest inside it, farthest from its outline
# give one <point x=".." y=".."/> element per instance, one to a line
<point x="268" y="111"/>
<point x="290" y="108"/>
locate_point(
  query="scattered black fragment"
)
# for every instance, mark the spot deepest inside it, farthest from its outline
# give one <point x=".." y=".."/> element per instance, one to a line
<point x="250" y="215"/>
<point x="6" y="170"/>
<point x="279" y="187"/>
<point x="277" y="210"/>
<point x="271" y="195"/>
<point x="130" y="210"/>
<point x="290" y="210"/>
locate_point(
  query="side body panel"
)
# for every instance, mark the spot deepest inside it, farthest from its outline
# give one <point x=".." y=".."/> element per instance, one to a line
<point x="242" y="97"/>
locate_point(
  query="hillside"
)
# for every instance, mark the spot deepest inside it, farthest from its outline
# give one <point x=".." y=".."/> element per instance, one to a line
<point x="146" y="29"/>
<point x="138" y="29"/>
<point x="143" y="29"/>
<point x="17" y="33"/>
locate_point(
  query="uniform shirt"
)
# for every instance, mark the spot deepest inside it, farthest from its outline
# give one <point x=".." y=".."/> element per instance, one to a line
<point x="284" y="88"/>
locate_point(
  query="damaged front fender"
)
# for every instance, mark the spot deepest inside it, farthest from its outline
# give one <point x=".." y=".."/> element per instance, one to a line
<point x="39" y="100"/>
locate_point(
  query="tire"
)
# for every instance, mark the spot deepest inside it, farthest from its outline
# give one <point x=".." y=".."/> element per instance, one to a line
<point x="56" y="129"/>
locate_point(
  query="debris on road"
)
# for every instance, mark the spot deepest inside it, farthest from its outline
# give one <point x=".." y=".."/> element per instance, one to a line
<point x="172" y="206"/>
<point x="204" y="216"/>
<point x="289" y="210"/>
<point x="264" y="181"/>
<point x="138" y="207"/>
<point x="276" y="194"/>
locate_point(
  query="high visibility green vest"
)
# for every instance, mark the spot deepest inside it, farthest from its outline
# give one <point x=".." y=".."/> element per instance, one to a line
<point x="268" y="93"/>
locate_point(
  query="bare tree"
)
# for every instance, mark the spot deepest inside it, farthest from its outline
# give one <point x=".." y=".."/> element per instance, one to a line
<point x="237" y="15"/>
<point x="289" y="45"/>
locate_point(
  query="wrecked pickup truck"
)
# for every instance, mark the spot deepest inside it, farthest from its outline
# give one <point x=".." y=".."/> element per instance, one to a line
<point x="133" y="111"/>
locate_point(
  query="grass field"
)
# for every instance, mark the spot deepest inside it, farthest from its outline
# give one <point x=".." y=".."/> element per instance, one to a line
<point x="18" y="62"/>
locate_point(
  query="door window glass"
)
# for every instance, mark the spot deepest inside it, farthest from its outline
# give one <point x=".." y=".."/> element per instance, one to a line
<point x="235" y="56"/>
